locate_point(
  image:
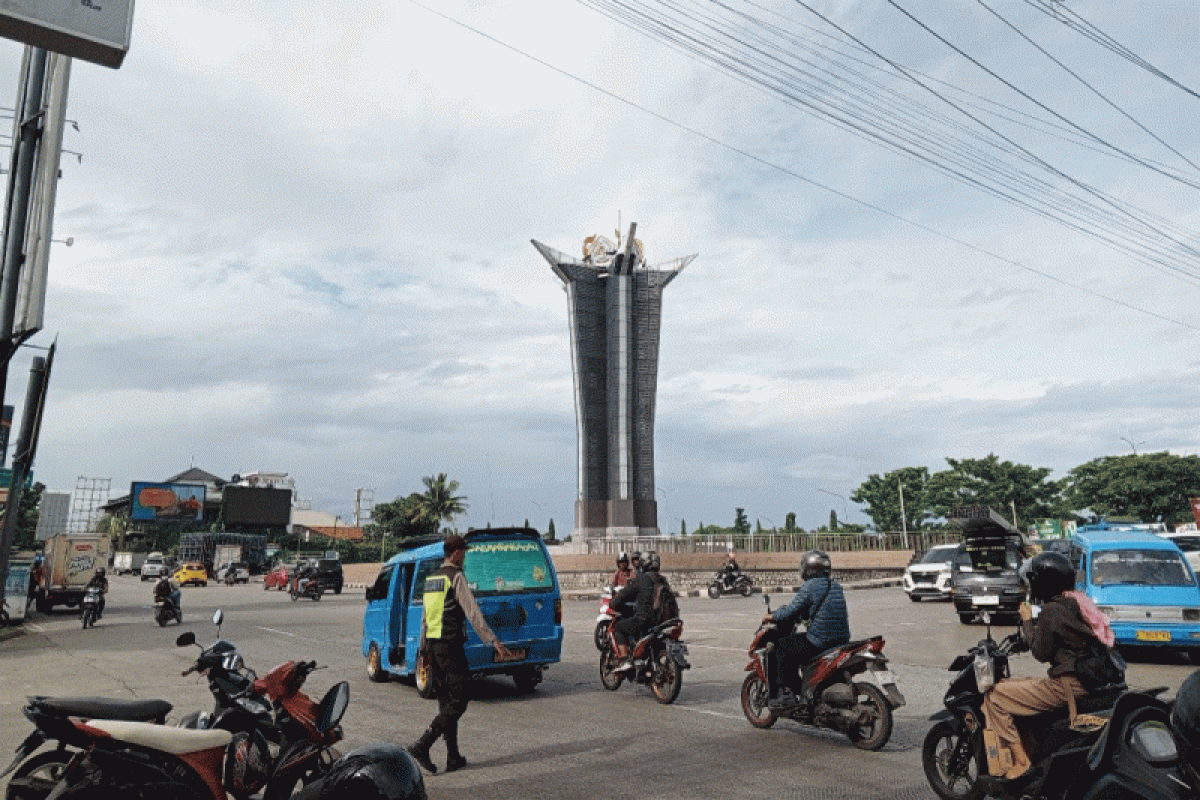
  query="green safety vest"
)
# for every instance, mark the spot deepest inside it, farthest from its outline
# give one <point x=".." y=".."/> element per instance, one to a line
<point x="443" y="615"/>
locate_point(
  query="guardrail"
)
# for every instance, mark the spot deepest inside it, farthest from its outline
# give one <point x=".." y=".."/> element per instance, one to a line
<point x="776" y="542"/>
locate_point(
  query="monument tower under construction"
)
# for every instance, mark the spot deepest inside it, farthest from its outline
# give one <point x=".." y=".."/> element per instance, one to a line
<point x="614" y="303"/>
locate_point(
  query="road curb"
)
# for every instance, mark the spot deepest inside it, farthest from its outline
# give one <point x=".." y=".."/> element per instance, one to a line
<point x="11" y="632"/>
<point x="874" y="583"/>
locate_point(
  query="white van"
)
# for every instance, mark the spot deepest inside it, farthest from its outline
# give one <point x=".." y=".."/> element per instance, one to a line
<point x="153" y="567"/>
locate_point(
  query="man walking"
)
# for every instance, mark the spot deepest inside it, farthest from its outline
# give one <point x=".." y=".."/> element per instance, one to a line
<point x="448" y="604"/>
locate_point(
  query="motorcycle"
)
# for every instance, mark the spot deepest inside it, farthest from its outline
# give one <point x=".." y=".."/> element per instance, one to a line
<point x="953" y="753"/>
<point x="306" y="587"/>
<point x="600" y="636"/>
<point x="740" y="584"/>
<point x="166" y="610"/>
<point x="51" y="717"/>
<point x="659" y="659"/>
<point x="140" y="760"/>
<point x="849" y="688"/>
<point x="90" y="606"/>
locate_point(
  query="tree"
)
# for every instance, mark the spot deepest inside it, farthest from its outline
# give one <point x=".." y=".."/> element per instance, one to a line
<point x="439" y="502"/>
<point x="789" y="522"/>
<point x="683" y="527"/>
<point x="400" y="519"/>
<point x="1154" y="487"/>
<point x="740" y="523"/>
<point x="550" y="534"/>
<point x="833" y="525"/>
<point x="25" y="535"/>
<point x="1001" y="485"/>
<point x="881" y="496"/>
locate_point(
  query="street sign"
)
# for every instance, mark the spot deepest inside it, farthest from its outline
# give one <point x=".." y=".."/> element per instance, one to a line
<point x="92" y="30"/>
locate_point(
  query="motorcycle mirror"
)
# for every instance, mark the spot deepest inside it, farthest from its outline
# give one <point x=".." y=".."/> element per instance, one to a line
<point x="218" y="617"/>
<point x="767" y="601"/>
<point x="333" y="707"/>
<point x="185" y="639"/>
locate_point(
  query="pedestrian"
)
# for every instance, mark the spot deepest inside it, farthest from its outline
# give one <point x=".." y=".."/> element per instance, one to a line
<point x="448" y="605"/>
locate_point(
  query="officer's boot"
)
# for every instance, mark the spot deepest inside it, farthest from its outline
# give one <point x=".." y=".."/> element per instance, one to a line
<point x="454" y="759"/>
<point x="420" y="750"/>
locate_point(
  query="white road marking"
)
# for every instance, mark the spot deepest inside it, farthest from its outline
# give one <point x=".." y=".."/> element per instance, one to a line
<point x="293" y="635"/>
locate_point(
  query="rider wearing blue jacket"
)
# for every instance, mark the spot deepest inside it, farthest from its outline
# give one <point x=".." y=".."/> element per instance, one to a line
<point x="821" y="602"/>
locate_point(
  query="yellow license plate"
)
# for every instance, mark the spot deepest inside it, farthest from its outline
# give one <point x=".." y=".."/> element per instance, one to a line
<point x="514" y="654"/>
<point x="1154" y="636"/>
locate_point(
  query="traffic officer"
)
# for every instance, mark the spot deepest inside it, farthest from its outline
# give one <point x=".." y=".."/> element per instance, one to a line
<point x="448" y="604"/>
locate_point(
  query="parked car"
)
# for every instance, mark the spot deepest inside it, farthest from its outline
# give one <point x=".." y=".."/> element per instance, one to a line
<point x="929" y="574"/>
<point x="1144" y="585"/>
<point x="329" y="574"/>
<point x="1189" y="543"/>
<point x="240" y="570"/>
<point x="278" y="578"/>
<point x="191" y="573"/>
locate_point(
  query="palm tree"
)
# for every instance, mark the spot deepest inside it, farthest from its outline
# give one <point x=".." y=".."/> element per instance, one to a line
<point x="439" y="502"/>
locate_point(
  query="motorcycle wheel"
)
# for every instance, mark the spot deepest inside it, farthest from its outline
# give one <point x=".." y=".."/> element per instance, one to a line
<point x="423" y="676"/>
<point x="714" y="591"/>
<point x="87" y="618"/>
<point x="611" y="680"/>
<point x="266" y="586"/>
<point x="875" y="715"/>
<point x="161" y="618"/>
<point x="47" y="767"/>
<point x="668" y="678"/>
<point x="746" y="589"/>
<point x="601" y="636"/>
<point x="316" y="597"/>
<point x="951" y="774"/>
<point x="294" y="595"/>
<point x="754" y="702"/>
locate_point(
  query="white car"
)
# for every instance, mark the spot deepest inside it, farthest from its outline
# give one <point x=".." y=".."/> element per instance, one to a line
<point x="929" y="575"/>
<point x="1189" y="543"/>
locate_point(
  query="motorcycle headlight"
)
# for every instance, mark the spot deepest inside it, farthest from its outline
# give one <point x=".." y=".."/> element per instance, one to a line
<point x="985" y="676"/>
<point x="233" y="662"/>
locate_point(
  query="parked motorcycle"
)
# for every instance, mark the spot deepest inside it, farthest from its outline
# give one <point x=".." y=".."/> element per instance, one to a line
<point x="90" y="606"/>
<point x="167" y="610"/>
<point x="849" y="688"/>
<point x="34" y="776"/>
<point x="132" y="759"/>
<point x="953" y="752"/>
<point x="659" y="659"/>
<point x="740" y="584"/>
<point x="306" y="587"/>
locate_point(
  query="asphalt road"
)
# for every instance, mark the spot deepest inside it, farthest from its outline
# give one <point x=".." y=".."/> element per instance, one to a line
<point x="570" y="738"/>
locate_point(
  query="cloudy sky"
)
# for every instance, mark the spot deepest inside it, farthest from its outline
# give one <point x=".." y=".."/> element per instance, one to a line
<point x="301" y="244"/>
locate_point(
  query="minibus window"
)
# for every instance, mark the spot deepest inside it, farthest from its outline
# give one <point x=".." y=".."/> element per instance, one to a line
<point x="1139" y="567"/>
<point x="507" y="567"/>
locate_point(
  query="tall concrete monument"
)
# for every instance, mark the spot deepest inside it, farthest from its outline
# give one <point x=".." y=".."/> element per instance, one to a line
<point x="614" y="303"/>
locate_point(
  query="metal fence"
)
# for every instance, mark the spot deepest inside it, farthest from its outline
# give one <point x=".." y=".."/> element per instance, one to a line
<point x="776" y="542"/>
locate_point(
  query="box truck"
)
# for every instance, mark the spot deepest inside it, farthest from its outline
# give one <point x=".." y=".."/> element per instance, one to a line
<point x="71" y="561"/>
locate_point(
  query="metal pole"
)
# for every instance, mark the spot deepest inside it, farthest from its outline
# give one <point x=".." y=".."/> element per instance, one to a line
<point x="903" y="518"/>
<point x="26" y="132"/>
<point x="31" y="420"/>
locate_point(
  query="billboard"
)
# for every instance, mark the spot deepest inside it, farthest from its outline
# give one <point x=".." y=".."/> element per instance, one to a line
<point x="254" y="506"/>
<point x="166" y="502"/>
<point x="93" y="31"/>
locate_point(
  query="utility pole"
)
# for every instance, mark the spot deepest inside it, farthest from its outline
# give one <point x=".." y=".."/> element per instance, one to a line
<point x="903" y="519"/>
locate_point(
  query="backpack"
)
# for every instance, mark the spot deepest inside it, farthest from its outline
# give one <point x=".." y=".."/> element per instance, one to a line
<point x="1099" y="667"/>
<point x="665" y="606"/>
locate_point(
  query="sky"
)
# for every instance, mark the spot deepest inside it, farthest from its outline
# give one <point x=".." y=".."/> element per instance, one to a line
<point x="301" y="244"/>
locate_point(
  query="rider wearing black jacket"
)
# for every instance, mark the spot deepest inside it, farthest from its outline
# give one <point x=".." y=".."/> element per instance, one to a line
<point x="638" y="594"/>
<point x="822" y="603"/>
<point x="99" y="581"/>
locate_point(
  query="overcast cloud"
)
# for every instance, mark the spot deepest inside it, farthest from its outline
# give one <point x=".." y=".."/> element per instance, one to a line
<point x="302" y="245"/>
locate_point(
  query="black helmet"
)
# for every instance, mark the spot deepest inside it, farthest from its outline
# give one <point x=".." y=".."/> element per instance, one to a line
<point x="651" y="561"/>
<point x="1185" y="718"/>
<point x="815" y="564"/>
<point x="1049" y="575"/>
<point x="375" y="772"/>
<point x="635" y="558"/>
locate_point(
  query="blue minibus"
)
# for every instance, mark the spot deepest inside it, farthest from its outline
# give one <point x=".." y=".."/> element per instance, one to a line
<point x="1143" y="583"/>
<point x="512" y="577"/>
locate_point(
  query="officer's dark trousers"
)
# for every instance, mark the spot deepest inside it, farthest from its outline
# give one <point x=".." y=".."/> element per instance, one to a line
<point x="448" y="661"/>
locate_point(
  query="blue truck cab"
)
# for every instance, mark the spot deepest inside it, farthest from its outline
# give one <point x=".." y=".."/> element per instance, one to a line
<point x="512" y="576"/>
<point x="1143" y="583"/>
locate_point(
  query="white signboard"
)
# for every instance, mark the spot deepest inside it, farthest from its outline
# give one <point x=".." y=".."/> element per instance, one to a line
<point x="93" y="30"/>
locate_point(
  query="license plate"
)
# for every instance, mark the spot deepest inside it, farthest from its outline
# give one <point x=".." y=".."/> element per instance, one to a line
<point x="515" y="654"/>
<point x="1154" y="636"/>
<point x="986" y="600"/>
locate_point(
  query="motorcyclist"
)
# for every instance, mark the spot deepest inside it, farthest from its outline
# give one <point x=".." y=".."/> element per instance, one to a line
<point x="304" y="575"/>
<point x="634" y="603"/>
<point x="99" y="581"/>
<point x="635" y="561"/>
<point x="624" y="572"/>
<point x="166" y="590"/>
<point x="822" y="604"/>
<point x="730" y="571"/>
<point x="1059" y="635"/>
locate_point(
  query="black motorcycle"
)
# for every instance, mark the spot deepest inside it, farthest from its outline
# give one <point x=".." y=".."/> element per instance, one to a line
<point x="1068" y="764"/>
<point x="724" y="583"/>
<point x="167" y="609"/>
<point x="89" y="611"/>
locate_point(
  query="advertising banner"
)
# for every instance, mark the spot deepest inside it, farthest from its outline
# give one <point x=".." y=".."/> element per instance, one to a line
<point x="166" y="502"/>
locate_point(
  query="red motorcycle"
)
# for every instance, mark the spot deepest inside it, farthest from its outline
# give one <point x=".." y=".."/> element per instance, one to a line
<point x="659" y="659"/>
<point x="849" y="688"/>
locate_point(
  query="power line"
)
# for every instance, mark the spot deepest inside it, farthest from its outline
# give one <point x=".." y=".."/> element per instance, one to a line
<point x="793" y="174"/>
